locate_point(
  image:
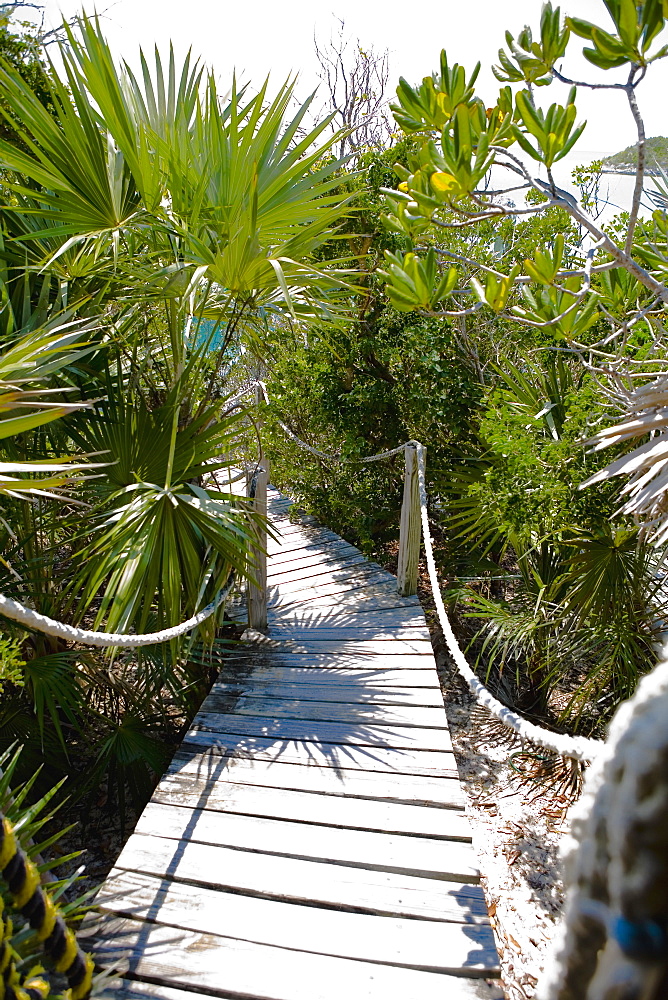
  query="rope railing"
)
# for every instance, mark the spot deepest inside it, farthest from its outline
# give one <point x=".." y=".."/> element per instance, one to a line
<point x="42" y="623"/>
<point x="576" y="747"/>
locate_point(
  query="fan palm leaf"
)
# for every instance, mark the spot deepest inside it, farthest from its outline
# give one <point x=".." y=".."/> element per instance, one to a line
<point x="27" y="362"/>
<point x="242" y="191"/>
<point x="161" y="545"/>
<point x="646" y="465"/>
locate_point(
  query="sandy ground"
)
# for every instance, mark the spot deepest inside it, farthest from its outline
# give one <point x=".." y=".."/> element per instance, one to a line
<point x="518" y="823"/>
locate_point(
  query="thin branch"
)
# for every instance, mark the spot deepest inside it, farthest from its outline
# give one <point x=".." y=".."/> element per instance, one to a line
<point x="501" y="191"/>
<point x="445" y="313"/>
<point x="589" y="86"/>
<point x="482" y="216"/>
<point x="640" y="168"/>
<point x="467" y="260"/>
<point x="564" y="200"/>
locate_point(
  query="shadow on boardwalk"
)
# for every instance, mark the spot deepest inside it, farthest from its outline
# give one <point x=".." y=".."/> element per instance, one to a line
<point x="311" y="823"/>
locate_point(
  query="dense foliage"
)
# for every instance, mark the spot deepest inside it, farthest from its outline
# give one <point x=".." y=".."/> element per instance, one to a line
<point x="510" y="329"/>
<point x="151" y="234"/>
<point x="161" y="247"/>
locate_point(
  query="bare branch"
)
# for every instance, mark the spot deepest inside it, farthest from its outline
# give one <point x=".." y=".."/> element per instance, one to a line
<point x="356" y="79"/>
<point x="451" y="312"/>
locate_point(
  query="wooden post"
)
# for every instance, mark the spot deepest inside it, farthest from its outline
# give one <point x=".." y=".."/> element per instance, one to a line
<point x="410" y="529"/>
<point x="257" y="595"/>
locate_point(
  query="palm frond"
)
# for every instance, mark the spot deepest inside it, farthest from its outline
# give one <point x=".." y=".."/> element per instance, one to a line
<point x="646" y="492"/>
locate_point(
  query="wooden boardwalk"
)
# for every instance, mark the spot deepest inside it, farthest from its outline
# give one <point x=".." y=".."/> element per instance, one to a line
<point x="308" y="841"/>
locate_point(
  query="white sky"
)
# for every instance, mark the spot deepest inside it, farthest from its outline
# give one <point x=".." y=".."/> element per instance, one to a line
<point x="276" y="36"/>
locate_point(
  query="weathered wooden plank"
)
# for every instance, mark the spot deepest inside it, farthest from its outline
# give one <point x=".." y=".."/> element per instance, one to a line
<point x="351" y="633"/>
<point x="442" y="792"/>
<point x="319" y="564"/>
<point x="418" y="944"/>
<point x="299" y="549"/>
<point x="304" y="670"/>
<point x="412" y="669"/>
<point x="454" y="862"/>
<point x="361" y="647"/>
<point x="225" y="967"/>
<point x="315" y="566"/>
<point x="383" y="595"/>
<point x="362" y="570"/>
<point x="311" y="532"/>
<point x="314" y="550"/>
<point x="313" y="807"/>
<point x="340" y="734"/>
<point x="281" y="515"/>
<point x="326" y="586"/>
<point x="282" y="508"/>
<point x="401" y="613"/>
<point x="361" y="598"/>
<point x="354" y="712"/>
<point x="278" y="500"/>
<point x="294" y="880"/>
<point x="258" y="686"/>
<point x="295" y="751"/>
<point x="354" y="567"/>
<point x="330" y="617"/>
<point x="286" y="549"/>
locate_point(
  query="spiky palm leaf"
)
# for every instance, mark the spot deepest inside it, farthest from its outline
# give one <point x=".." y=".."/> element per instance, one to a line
<point x="646" y="491"/>
<point x="160" y="546"/>
<point x="242" y="192"/>
<point x="27" y="363"/>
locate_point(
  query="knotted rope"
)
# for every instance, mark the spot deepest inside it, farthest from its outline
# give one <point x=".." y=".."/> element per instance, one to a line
<point x="612" y="943"/>
<point x="32" y="619"/>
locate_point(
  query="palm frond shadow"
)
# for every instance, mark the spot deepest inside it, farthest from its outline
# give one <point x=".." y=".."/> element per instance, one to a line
<point x="542" y="774"/>
<point x="318" y="693"/>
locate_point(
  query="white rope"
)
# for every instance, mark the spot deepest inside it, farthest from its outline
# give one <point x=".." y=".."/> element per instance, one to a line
<point x="337" y="457"/>
<point x="613" y="938"/>
<point x="32" y="619"/>
<point x="578" y="747"/>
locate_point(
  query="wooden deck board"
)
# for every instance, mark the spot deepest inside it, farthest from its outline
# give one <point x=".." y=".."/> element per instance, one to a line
<point x="307" y="690"/>
<point x="310" y="881"/>
<point x="442" y="790"/>
<point x="308" y="839"/>
<point x="359" y="732"/>
<point x="414" y="943"/>
<point x="348" y="659"/>
<point x="327" y="711"/>
<point x="313" y="807"/>
<point x="228" y="968"/>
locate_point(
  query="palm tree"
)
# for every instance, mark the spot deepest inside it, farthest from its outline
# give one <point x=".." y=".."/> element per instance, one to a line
<point x="187" y="222"/>
<point x="173" y="230"/>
